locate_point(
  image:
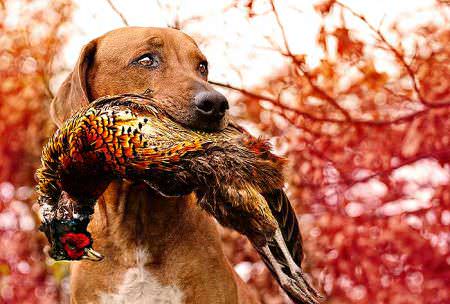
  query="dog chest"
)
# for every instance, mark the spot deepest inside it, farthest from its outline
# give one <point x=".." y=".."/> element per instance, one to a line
<point x="139" y="286"/>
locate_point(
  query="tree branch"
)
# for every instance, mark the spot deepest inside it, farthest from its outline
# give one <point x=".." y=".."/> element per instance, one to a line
<point x="355" y="121"/>
<point x="322" y="94"/>
<point x="348" y="182"/>
<point x="114" y="8"/>
<point x="408" y="161"/>
<point x="396" y="53"/>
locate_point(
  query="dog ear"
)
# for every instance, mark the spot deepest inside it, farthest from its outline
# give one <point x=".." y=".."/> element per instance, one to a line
<point x="73" y="92"/>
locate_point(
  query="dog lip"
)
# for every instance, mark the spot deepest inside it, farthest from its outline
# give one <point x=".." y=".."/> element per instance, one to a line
<point x="208" y="125"/>
<point x="198" y="121"/>
<point x="212" y="118"/>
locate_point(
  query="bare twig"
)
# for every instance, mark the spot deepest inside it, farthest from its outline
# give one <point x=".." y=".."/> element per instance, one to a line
<point x="276" y="102"/>
<point x="43" y="66"/>
<point x="282" y="29"/>
<point x="408" y="161"/>
<point x="322" y="94"/>
<point x="114" y="8"/>
<point x="398" y="54"/>
<point x="280" y="110"/>
<point x="373" y="123"/>
<point x="348" y="182"/>
<point x="49" y="92"/>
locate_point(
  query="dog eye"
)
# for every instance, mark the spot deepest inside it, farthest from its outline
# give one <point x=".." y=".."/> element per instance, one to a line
<point x="203" y="68"/>
<point x="148" y="61"/>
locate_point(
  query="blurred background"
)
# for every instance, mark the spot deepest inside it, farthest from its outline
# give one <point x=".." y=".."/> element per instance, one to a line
<point x="355" y="94"/>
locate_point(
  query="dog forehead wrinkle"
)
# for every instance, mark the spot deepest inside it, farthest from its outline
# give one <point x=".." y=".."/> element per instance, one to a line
<point x="114" y="45"/>
<point x="139" y="286"/>
<point x="154" y="41"/>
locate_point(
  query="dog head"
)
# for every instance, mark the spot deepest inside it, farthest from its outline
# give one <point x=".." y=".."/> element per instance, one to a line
<point x="164" y="63"/>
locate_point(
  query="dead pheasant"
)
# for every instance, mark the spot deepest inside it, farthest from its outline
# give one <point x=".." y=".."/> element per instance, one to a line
<point x="235" y="176"/>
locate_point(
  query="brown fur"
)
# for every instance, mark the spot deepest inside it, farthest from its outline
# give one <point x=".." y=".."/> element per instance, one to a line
<point x="182" y="242"/>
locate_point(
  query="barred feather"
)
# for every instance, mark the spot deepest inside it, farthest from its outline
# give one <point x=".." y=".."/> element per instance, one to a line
<point x="235" y="176"/>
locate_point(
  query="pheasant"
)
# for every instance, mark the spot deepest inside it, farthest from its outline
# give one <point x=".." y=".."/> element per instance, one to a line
<point x="234" y="175"/>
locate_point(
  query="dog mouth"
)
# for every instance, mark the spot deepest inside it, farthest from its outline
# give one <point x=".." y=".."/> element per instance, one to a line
<point x="205" y="111"/>
<point x="192" y="118"/>
<point x="209" y="123"/>
<point x="201" y="122"/>
<point x="196" y="120"/>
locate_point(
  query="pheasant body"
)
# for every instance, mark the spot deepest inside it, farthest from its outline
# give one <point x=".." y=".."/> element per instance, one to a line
<point x="234" y="175"/>
<point x="127" y="138"/>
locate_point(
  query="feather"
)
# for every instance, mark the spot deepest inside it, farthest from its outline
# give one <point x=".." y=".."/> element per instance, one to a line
<point x="286" y="266"/>
<point x="234" y="175"/>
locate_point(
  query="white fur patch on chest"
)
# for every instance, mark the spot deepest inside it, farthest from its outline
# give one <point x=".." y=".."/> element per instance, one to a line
<point x="140" y="287"/>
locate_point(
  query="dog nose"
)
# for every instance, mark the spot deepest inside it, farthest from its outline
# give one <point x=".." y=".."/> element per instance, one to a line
<point x="211" y="104"/>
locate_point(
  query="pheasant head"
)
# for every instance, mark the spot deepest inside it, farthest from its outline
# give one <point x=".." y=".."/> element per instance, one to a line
<point x="70" y="240"/>
<point x="66" y="229"/>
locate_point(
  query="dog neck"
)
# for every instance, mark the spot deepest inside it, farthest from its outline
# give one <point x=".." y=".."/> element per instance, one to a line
<point x="169" y="243"/>
<point x="134" y="216"/>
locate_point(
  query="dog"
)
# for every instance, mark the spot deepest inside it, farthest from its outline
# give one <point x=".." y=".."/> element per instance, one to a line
<point x="157" y="249"/>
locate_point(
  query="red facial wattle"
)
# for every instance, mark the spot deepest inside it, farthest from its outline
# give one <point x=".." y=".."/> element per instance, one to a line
<point x="74" y="244"/>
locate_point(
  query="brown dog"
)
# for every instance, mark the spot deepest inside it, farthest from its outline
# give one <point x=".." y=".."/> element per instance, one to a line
<point x="157" y="249"/>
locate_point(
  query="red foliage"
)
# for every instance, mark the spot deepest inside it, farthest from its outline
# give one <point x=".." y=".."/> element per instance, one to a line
<point x="24" y="275"/>
<point x="368" y="149"/>
<point x="369" y="153"/>
<point x="30" y="40"/>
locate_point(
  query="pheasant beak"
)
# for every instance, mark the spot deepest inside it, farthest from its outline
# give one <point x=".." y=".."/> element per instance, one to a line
<point x="92" y="255"/>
